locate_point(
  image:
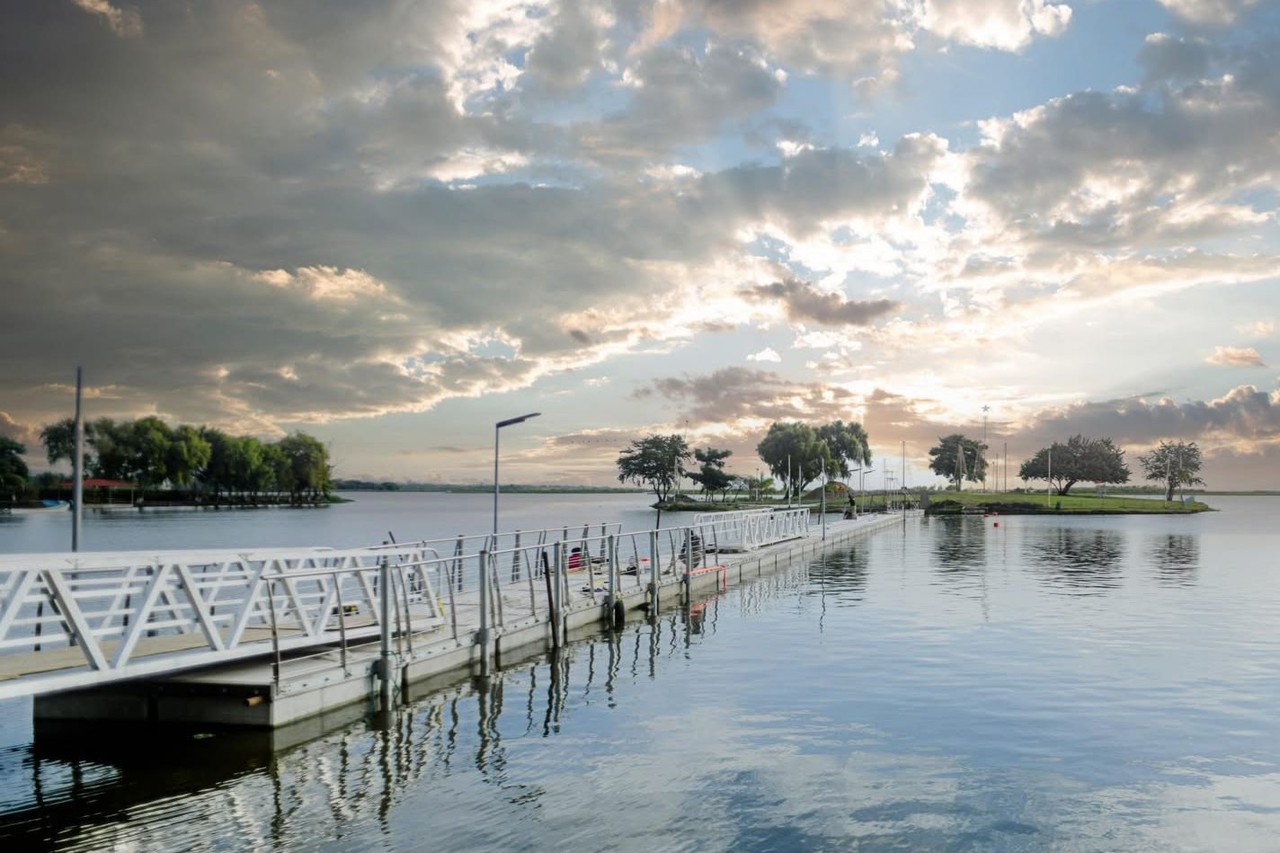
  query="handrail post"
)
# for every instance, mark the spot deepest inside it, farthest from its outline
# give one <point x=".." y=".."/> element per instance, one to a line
<point x="653" y="572"/>
<point x="275" y="636"/>
<point x="554" y="603"/>
<point x="611" y="558"/>
<point x="404" y="608"/>
<point x="342" y="626"/>
<point x="482" y="635"/>
<point x="688" y="564"/>
<point x="384" y="617"/>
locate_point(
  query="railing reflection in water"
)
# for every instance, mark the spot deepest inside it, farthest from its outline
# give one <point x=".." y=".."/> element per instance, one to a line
<point x="111" y="788"/>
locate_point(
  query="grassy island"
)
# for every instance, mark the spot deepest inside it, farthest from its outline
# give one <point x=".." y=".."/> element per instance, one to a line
<point x="1023" y="503"/>
<point x="959" y="503"/>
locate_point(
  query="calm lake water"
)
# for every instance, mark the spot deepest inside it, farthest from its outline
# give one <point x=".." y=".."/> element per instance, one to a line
<point x="1105" y="683"/>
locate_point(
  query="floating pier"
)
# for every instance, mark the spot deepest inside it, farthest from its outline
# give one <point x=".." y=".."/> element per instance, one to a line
<point x="269" y="638"/>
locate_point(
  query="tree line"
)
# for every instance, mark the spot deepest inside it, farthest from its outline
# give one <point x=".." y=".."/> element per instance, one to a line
<point x="1078" y="459"/>
<point x="201" y="459"/>
<point x="796" y="454"/>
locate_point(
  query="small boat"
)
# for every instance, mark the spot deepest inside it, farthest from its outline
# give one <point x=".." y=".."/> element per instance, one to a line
<point x="46" y="506"/>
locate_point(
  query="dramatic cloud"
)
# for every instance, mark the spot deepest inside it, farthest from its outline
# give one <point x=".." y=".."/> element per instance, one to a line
<point x="272" y="216"/>
<point x="1126" y="169"/>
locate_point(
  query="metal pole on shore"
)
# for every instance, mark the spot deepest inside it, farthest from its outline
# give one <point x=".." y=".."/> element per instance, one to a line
<point x="1048" y="489"/>
<point x="77" y="467"/>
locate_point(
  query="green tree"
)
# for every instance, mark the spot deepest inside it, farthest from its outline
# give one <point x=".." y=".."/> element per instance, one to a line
<point x="655" y="461"/>
<point x="1080" y="459"/>
<point x="958" y="459"/>
<point x="147" y="441"/>
<point x="849" y="445"/>
<point x="757" y="487"/>
<point x="711" y="476"/>
<point x="795" y="454"/>
<point x="112" y="455"/>
<point x="13" y="470"/>
<point x="188" y="454"/>
<point x="1176" y="464"/>
<point x="216" y="474"/>
<point x="307" y="467"/>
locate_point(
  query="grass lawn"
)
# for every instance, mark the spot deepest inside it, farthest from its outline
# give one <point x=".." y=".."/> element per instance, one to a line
<point x="1082" y="503"/>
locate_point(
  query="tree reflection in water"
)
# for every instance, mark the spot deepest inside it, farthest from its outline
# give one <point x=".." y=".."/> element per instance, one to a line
<point x="1175" y="556"/>
<point x="962" y="547"/>
<point x="1076" y="560"/>
<point x="841" y="573"/>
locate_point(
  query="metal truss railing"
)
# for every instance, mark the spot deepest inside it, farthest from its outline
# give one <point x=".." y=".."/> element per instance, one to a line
<point x="69" y="622"/>
<point x="746" y="530"/>
<point x="74" y="620"/>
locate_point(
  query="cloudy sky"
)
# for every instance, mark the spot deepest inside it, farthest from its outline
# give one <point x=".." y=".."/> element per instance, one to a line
<point x="392" y="223"/>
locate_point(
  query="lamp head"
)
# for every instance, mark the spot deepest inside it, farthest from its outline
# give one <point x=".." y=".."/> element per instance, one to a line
<point x="519" y="420"/>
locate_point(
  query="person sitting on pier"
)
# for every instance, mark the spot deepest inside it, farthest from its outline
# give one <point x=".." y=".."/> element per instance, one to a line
<point x="698" y="552"/>
<point x="575" y="559"/>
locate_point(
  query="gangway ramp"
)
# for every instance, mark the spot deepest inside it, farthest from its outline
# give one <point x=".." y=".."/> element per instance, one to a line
<point x="76" y="620"/>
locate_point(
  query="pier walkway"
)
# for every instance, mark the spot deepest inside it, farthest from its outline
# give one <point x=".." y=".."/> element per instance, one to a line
<point x="269" y="636"/>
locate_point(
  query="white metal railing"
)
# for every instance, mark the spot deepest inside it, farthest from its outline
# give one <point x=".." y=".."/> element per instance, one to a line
<point x="74" y="620"/>
<point x="109" y="617"/>
<point x="746" y="530"/>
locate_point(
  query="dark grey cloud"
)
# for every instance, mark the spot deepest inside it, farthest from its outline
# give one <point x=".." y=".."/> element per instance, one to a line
<point x="733" y="393"/>
<point x="802" y="302"/>
<point x="1171" y="58"/>
<point x="824" y="184"/>
<point x="678" y="97"/>
<point x="1244" y="414"/>
<point x="564" y="57"/>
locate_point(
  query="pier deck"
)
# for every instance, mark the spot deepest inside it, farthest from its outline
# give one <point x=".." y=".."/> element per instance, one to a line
<point x="289" y="671"/>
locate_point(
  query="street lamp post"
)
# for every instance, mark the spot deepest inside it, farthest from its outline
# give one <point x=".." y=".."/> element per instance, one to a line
<point x="483" y="634"/>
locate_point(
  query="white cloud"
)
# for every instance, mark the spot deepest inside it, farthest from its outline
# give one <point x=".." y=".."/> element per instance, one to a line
<point x="1235" y="357"/>
<point x="1002" y="24"/>
<point x="1258" y="329"/>
<point x="1209" y="12"/>
<point x="126" y="23"/>
<point x="326" y="283"/>
<point x="766" y="354"/>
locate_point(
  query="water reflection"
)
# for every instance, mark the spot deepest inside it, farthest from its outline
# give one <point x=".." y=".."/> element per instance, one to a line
<point x="732" y="725"/>
<point x="960" y="546"/>
<point x="1175" y="558"/>
<point x="841" y="574"/>
<point x="1079" y="561"/>
<point x="93" y="791"/>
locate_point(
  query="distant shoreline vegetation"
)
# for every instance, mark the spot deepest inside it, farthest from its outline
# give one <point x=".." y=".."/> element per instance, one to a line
<point x="481" y="488"/>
